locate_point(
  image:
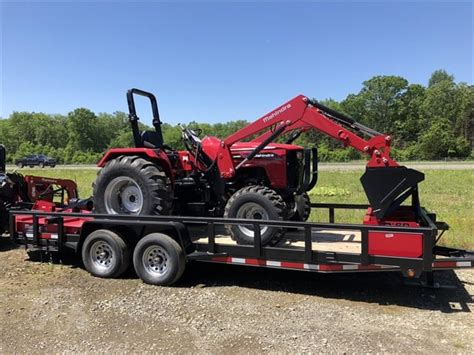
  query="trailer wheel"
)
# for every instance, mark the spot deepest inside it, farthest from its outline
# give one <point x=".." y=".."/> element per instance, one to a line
<point x="19" y="165"/>
<point x="255" y="202"/>
<point x="302" y="206"/>
<point x="41" y="165"/>
<point x="132" y="185"/>
<point x="158" y="259"/>
<point x="105" y="254"/>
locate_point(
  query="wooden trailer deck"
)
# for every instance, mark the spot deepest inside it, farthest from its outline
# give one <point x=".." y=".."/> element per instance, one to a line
<point x="323" y="240"/>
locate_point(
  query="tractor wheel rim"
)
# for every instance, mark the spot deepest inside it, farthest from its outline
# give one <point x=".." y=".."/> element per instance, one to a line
<point x="123" y="195"/>
<point x="156" y="260"/>
<point x="102" y="255"/>
<point x="251" y="210"/>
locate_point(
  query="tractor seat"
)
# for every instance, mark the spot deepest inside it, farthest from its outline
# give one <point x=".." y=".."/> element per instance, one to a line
<point x="151" y="139"/>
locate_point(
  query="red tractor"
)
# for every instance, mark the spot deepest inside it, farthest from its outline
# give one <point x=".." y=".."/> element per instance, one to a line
<point x="18" y="192"/>
<point x="259" y="179"/>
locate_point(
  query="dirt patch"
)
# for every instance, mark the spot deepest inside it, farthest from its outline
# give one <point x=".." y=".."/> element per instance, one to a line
<point x="224" y="308"/>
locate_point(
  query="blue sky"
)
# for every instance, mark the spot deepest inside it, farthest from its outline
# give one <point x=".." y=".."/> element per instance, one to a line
<point x="214" y="62"/>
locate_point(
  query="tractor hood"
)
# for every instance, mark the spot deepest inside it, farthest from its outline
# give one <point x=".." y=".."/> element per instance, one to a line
<point x="248" y="146"/>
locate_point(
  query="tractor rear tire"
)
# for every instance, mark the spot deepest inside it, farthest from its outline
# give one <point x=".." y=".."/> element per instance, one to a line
<point x="255" y="202"/>
<point x="302" y="205"/>
<point x="134" y="186"/>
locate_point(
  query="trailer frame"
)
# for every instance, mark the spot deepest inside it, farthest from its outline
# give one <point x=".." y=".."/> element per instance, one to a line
<point x="181" y="228"/>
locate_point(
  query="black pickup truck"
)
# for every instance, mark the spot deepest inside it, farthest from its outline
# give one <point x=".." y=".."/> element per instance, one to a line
<point x="36" y="160"/>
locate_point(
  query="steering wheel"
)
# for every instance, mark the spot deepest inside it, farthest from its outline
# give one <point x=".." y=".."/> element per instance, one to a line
<point x="191" y="139"/>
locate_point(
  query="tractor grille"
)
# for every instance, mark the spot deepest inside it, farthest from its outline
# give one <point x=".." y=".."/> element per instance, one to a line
<point x="295" y="168"/>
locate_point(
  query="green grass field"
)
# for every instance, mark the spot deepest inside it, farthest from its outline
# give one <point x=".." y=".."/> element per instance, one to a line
<point x="449" y="193"/>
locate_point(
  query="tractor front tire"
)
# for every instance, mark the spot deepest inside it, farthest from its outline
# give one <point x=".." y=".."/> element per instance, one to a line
<point x="255" y="202"/>
<point x="134" y="186"/>
<point x="302" y="205"/>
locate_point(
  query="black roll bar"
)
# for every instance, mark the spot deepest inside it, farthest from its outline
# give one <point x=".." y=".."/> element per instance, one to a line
<point x="133" y="118"/>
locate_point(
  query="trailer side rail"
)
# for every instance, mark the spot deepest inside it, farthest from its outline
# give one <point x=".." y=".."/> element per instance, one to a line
<point x="206" y="251"/>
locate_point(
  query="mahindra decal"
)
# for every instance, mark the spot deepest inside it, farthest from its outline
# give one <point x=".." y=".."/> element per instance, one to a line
<point x="276" y="113"/>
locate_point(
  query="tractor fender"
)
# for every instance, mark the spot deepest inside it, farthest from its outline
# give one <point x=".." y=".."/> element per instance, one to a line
<point x="156" y="155"/>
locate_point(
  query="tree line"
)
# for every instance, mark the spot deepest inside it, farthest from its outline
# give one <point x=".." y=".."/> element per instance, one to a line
<point x="426" y="122"/>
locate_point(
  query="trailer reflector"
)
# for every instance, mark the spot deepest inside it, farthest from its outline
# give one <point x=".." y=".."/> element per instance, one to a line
<point x="452" y="264"/>
<point x="300" y="266"/>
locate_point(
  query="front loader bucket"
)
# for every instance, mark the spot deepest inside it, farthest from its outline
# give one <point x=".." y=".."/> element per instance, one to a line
<point x="387" y="188"/>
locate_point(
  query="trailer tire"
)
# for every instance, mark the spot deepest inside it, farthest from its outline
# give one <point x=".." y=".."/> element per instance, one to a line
<point x="132" y="185"/>
<point x="19" y="165"/>
<point x="105" y="254"/>
<point x="41" y="165"/>
<point x="158" y="259"/>
<point x="255" y="202"/>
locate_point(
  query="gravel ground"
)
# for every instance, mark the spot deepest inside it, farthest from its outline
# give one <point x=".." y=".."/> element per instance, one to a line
<point x="224" y="308"/>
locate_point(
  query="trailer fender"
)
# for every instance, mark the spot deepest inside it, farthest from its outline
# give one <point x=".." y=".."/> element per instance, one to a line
<point x="155" y="155"/>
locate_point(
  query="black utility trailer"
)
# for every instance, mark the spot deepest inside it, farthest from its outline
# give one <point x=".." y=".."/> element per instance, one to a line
<point x="160" y="246"/>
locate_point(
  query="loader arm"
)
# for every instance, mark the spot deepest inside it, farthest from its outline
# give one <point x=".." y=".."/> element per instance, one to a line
<point x="304" y="114"/>
<point x="386" y="183"/>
